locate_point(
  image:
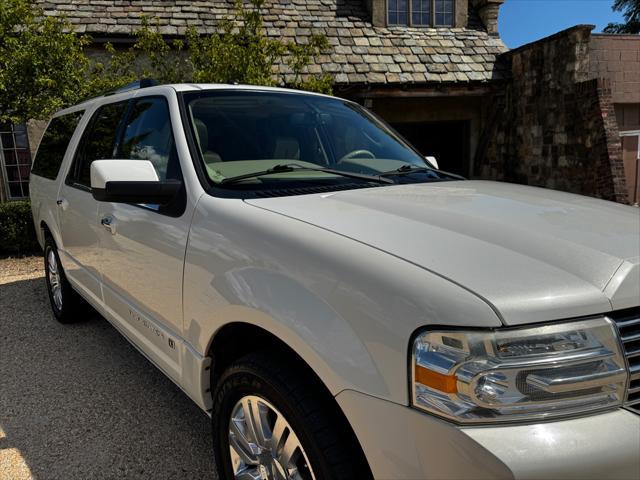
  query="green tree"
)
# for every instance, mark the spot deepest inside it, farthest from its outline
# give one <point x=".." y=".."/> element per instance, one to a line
<point x="42" y="64"/>
<point x="238" y="52"/>
<point x="631" y="9"/>
<point x="109" y="71"/>
<point x="151" y="56"/>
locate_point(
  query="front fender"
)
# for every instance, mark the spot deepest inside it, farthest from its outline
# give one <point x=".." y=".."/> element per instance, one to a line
<point x="348" y="309"/>
<point x="300" y="318"/>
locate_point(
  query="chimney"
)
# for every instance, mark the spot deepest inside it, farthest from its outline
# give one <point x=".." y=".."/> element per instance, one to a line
<point x="488" y="11"/>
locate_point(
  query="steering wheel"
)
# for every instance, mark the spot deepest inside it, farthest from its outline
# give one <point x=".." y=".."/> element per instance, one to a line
<point x="356" y="154"/>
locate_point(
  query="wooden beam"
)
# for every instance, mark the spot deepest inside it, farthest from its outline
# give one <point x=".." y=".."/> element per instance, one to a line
<point x="415" y="91"/>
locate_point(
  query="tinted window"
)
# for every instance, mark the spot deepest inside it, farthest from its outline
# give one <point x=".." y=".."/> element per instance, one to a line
<point x="243" y="132"/>
<point x="54" y="145"/>
<point x="99" y="140"/>
<point x="147" y="136"/>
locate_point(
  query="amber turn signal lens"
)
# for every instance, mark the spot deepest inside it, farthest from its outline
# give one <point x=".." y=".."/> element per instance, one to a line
<point x="435" y="380"/>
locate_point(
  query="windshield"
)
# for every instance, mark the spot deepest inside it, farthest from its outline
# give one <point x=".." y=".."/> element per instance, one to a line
<point x="240" y="133"/>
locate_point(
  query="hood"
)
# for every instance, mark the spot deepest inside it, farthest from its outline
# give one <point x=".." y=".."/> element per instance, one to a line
<point x="533" y="254"/>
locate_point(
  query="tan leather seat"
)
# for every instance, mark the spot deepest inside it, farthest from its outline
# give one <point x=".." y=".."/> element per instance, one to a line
<point x="202" y="136"/>
<point x="286" y="148"/>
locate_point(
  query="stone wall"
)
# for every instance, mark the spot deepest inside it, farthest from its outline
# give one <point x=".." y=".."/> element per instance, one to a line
<point x="552" y="126"/>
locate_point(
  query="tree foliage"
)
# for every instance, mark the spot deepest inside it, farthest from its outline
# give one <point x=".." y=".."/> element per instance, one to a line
<point x="151" y="56"/>
<point x="631" y="9"/>
<point x="238" y="52"/>
<point x="42" y="64"/>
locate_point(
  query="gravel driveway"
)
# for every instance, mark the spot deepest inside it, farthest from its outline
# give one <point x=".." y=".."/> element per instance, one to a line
<point x="78" y="401"/>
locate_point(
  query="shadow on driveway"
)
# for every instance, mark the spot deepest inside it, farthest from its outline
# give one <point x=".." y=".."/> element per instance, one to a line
<point x="78" y="401"/>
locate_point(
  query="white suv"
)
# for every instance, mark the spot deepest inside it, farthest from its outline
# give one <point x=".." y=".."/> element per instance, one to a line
<point x="342" y="308"/>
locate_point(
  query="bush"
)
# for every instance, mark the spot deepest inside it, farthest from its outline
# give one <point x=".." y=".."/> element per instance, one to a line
<point x="17" y="233"/>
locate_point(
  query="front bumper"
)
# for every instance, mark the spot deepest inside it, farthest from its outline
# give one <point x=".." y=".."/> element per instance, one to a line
<point x="402" y="443"/>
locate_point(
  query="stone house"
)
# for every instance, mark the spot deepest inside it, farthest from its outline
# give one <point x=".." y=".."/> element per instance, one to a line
<point x="426" y="66"/>
<point x="437" y="71"/>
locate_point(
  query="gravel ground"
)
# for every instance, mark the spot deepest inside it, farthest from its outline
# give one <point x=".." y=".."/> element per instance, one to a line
<point x="78" y="401"/>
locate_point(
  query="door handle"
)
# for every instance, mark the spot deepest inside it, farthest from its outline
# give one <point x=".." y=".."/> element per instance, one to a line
<point x="62" y="202"/>
<point x="109" y="224"/>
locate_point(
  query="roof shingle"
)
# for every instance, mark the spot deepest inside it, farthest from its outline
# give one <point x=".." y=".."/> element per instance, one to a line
<point x="361" y="53"/>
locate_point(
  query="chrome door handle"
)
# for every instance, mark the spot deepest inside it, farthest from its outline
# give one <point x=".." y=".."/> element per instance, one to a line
<point x="62" y="202"/>
<point x="109" y="224"/>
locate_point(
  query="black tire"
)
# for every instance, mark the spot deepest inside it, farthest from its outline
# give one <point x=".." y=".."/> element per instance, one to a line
<point x="327" y="440"/>
<point x="71" y="307"/>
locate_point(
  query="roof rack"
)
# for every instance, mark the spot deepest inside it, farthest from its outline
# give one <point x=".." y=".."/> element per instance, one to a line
<point x="138" y="84"/>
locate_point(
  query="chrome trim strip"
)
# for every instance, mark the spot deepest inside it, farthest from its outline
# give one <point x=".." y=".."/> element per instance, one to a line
<point x="632" y="353"/>
<point x="628" y="323"/>
<point x="578" y="382"/>
<point x="630" y="338"/>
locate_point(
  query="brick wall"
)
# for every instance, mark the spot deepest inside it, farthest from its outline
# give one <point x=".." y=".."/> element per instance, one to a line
<point x="617" y="57"/>
<point x="597" y="140"/>
<point x="552" y="126"/>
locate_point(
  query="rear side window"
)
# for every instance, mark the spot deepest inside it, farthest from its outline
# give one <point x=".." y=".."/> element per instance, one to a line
<point x="54" y="144"/>
<point x="98" y="142"/>
<point x="147" y="135"/>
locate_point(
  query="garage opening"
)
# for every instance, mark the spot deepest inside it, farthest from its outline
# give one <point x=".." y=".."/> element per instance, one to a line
<point x="447" y="141"/>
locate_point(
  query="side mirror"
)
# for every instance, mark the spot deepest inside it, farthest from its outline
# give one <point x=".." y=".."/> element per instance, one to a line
<point x="130" y="181"/>
<point x="433" y="161"/>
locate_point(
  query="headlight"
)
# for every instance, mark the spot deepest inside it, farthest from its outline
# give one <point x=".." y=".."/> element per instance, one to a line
<point x="480" y="376"/>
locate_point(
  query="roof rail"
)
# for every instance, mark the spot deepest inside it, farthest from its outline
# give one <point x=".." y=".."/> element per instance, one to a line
<point x="138" y="84"/>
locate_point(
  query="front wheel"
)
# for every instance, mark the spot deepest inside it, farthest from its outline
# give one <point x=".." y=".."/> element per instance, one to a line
<point x="271" y="422"/>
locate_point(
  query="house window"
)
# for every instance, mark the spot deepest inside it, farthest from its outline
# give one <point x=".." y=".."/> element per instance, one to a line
<point x="444" y="13"/>
<point x="421" y="13"/>
<point x="15" y="160"/>
<point x="398" y="12"/>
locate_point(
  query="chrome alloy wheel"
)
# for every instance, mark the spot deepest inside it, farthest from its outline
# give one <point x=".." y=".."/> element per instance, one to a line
<point x="55" y="284"/>
<point x="262" y="444"/>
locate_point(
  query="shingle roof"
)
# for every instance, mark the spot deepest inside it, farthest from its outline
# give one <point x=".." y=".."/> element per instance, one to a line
<point x="361" y="53"/>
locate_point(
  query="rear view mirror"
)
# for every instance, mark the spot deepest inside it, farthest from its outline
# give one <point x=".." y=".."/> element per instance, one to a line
<point x="310" y="119"/>
<point x="130" y="181"/>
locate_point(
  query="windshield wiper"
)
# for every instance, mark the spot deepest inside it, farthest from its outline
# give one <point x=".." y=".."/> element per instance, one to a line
<point x="406" y="170"/>
<point x="409" y="169"/>
<point x="294" y="167"/>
